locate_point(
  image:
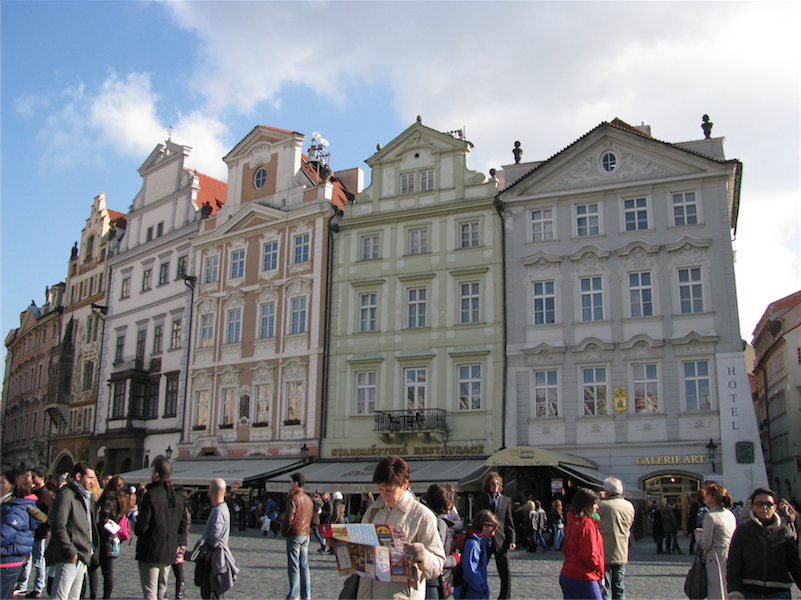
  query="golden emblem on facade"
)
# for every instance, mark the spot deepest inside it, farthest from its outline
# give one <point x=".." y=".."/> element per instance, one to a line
<point x="620" y="399"/>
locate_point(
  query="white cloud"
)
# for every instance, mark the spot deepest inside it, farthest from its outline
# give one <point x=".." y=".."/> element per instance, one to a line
<point x="205" y="135"/>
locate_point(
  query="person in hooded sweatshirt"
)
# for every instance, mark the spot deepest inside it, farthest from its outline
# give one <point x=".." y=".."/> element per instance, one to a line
<point x="583" y="547"/>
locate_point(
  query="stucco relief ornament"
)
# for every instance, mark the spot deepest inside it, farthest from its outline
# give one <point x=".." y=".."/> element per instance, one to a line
<point x="260" y="155"/>
<point x="620" y="399"/>
<point x="688" y="254"/>
<point x="638" y="259"/>
<point x="546" y="430"/>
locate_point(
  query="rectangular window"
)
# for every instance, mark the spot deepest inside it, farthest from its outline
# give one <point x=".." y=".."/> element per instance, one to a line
<point x="159" y="229"/>
<point x="126" y="288"/>
<point x="270" y="256"/>
<point x="147" y="279"/>
<point x="365" y="392"/>
<point x="149" y="234"/>
<point x="264" y="392"/>
<point x="175" y="338"/>
<point x="152" y="406"/>
<point x="544" y="302"/>
<point x="415" y="384"/>
<point x="691" y="293"/>
<point x="587" y="220"/>
<point x="202" y="408"/>
<point x="685" y="210"/>
<point x="228" y="406"/>
<point x="592" y="303"/>
<point x="418" y="241"/>
<point x="206" y="330"/>
<point x="164" y="273"/>
<point x="137" y="399"/>
<point x="593" y="386"/>
<point x="641" y="294"/>
<point x="267" y="320"/>
<point x="416" y="307"/>
<point x="237" y="264"/>
<point x="182" y="262"/>
<point x="427" y="180"/>
<point x="368" y="307"/>
<point x="158" y="339"/>
<point x="294" y="400"/>
<point x="297" y="322"/>
<point x="635" y="214"/>
<point x="369" y="247"/>
<point x="171" y="396"/>
<point x="301" y="246"/>
<point x="407" y="183"/>
<point x="469" y="387"/>
<point x="234" y="326"/>
<point x="119" y="350"/>
<point x="696" y="385"/>
<point x="646" y="388"/>
<point x="210" y="269"/>
<point x="542" y="225"/>
<point x="88" y="370"/>
<point x="469" y="302"/>
<point x="468" y="237"/>
<point x="141" y="340"/>
<point x="546" y="394"/>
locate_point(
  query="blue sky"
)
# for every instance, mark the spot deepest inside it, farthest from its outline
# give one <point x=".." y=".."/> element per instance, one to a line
<point x="89" y="89"/>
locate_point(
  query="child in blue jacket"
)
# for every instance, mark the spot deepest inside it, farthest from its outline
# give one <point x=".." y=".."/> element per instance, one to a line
<point x="475" y="555"/>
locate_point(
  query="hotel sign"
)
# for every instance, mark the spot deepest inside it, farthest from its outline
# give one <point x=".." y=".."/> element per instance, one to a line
<point x="689" y="459"/>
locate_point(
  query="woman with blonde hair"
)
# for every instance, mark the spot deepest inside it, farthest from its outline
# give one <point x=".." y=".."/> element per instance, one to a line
<point x="714" y="538"/>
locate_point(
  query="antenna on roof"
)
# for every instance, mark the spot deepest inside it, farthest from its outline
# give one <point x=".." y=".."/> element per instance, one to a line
<point x="318" y="152"/>
<point x="170" y="131"/>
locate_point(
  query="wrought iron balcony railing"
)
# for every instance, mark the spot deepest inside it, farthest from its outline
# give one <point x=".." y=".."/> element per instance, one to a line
<point x="427" y="419"/>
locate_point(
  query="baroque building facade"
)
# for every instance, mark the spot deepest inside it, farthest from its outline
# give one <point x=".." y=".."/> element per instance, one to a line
<point x="623" y="340"/>
<point x="144" y="349"/>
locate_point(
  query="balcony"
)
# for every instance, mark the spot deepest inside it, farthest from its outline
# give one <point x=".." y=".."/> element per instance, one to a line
<point x="57" y="407"/>
<point x="427" y="423"/>
<point x="129" y="363"/>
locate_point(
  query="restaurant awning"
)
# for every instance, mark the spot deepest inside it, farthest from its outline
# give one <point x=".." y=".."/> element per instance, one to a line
<point x="235" y="471"/>
<point x="528" y="456"/>
<point x="356" y="477"/>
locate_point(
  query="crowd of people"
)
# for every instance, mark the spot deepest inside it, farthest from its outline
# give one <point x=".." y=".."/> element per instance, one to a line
<point x="57" y="537"/>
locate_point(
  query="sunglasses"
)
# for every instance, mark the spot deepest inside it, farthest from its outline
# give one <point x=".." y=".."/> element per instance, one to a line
<point x="760" y="504"/>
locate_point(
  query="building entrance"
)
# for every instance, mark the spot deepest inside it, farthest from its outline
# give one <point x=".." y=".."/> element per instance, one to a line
<point x="680" y="490"/>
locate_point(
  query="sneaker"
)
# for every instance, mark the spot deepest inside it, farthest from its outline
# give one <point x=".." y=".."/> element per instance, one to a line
<point x="33" y="595"/>
<point x="20" y="593"/>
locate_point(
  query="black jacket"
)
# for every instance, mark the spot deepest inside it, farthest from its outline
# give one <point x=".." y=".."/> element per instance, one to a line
<point x="71" y="530"/>
<point x="505" y="534"/>
<point x="762" y="559"/>
<point x="162" y="518"/>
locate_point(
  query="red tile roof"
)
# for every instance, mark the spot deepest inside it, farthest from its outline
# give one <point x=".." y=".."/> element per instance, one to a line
<point x="212" y="191"/>
<point x="340" y="195"/>
<point x="114" y="215"/>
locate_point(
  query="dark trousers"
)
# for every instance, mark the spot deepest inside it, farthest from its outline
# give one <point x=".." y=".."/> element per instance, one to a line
<point x="107" y="567"/>
<point x="203" y="579"/>
<point x="502" y="563"/>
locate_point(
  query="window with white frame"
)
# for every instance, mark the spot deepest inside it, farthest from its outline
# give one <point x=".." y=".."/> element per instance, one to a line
<point x="164" y="273"/>
<point x="594" y="390"/>
<point x="369" y="247"/>
<point x="542" y="225"/>
<point x="641" y="294"/>
<point x="301" y="245"/>
<point x="407" y="183"/>
<point x="269" y="256"/>
<point x="126" y="288"/>
<point x="418" y="241"/>
<point x="685" y="208"/>
<point x="297" y="315"/>
<point x="546" y="393"/>
<point x="267" y="320"/>
<point x="635" y="214"/>
<point x="182" y="264"/>
<point x="294" y="400"/>
<point x="234" y="326"/>
<point x="415" y="381"/>
<point x="206" y="330"/>
<point x="202" y="408"/>
<point x="427" y="180"/>
<point x="175" y="337"/>
<point x="592" y="299"/>
<point x="691" y="290"/>
<point x="368" y="307"/>
<point x="228" y="406"/>
<point x="544" y="293"/>
<point x="158" y="338"/>
<point x="147" y="279"/>
<point x="237" y="264"/>
<point x="697" y="385"/>
<point x="365" y="392"/>
<point x="587" y="220"/>
<point x="264" y="393"/>
<point x="469" y="302"/>
<point x="468" y="234"/>
<point x="646" y="388"/>
<point x="469" y="387"/>
<point x="210" y="269"/>
<point x="119" y="349"/>
<point x="416" y="307"/>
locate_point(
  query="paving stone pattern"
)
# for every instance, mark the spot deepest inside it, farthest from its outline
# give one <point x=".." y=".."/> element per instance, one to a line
<point x="534" y="575"/>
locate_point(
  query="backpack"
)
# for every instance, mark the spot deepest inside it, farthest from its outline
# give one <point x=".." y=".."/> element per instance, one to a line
<point x="125" y="529"/>
<point x="458" y="574"/>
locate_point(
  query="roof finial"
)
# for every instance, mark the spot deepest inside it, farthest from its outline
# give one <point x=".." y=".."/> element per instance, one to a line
<point x="170" y="131"/>
<point x="518" y="152"/>
<point x="706" y="126"/>
<point x="419" y="119"/>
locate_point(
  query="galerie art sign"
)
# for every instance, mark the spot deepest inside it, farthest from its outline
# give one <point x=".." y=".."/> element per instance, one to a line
<point x="689" y="459"/>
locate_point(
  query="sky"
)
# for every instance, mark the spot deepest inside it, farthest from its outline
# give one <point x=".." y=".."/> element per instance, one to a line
<point x="90" y="88"/>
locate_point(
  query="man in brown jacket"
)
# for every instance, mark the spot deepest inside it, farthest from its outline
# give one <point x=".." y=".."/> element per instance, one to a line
<point x="296" y="528"/>
<point x="617" y="517"/>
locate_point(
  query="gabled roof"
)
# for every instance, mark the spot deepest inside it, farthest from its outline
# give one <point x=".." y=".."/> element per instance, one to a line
<point x="340" y="194"/>
<point x="212" y="191"/>
<point x="257" y="128"/>
<point x="403" y="141"/>
<point x="777" y="309"/>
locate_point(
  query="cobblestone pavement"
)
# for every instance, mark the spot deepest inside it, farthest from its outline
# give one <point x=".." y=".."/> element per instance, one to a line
<point x="534" y="575"/>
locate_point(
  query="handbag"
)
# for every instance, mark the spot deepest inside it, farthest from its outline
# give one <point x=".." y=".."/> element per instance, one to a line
<point x="695" y="584"/>
<point x="350" y="589"/>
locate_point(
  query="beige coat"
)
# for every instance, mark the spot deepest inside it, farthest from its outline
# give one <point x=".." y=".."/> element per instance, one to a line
<point x="714" y="539"/>
<point x="420" y="525"/>
<point x="617" y="517"/>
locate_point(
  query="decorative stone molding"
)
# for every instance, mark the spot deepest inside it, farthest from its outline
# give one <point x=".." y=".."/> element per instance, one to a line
<point x="593" y="350"/>
<point x="202" y="380"/>
<point x="204" y="355"/>
<point x="231" y="352"/>
<point x="264" y="346"/>
<point x="591" y="171"/>
<point x="234" y="299"/>
<point x="229" y="377"/>
<point x="263" y="373"/>
<point x="642" y="346"/>
<point x="260" y="154"/>
<point x="294" y="370"/>
<point x="297" y="287"/>
<point x="589" y="259"/>
<point x="694" y="344"/>
<point x="296" y="342"/>
<point x="638" y="255"/>
<point x="688" y="250"/>
<point x="544" y="354"/>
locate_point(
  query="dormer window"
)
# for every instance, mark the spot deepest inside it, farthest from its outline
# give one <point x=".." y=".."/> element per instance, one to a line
<point x="260" y="178"/>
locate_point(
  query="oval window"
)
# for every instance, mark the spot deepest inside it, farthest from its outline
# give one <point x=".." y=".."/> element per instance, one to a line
<point x="609" y="161"/>
<point x="259" y="178"/>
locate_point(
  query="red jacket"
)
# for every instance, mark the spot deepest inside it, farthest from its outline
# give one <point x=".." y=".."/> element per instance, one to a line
<point x="583" y="549"/>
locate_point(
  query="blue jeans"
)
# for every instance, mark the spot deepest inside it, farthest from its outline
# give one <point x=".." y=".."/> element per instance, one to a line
<point x="613" y="578"/>
<point x="297" y="562"/>
<point x="576" y="589"/>
<point x="558" y="536"/>
<point x="8" y="579"/>
<point x="35" y="565"/>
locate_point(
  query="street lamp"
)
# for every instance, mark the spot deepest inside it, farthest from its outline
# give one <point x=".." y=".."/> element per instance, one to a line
<point x="304" y="453"/>
<point x="712" y="452"/>
<point x="168" y="453"/>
